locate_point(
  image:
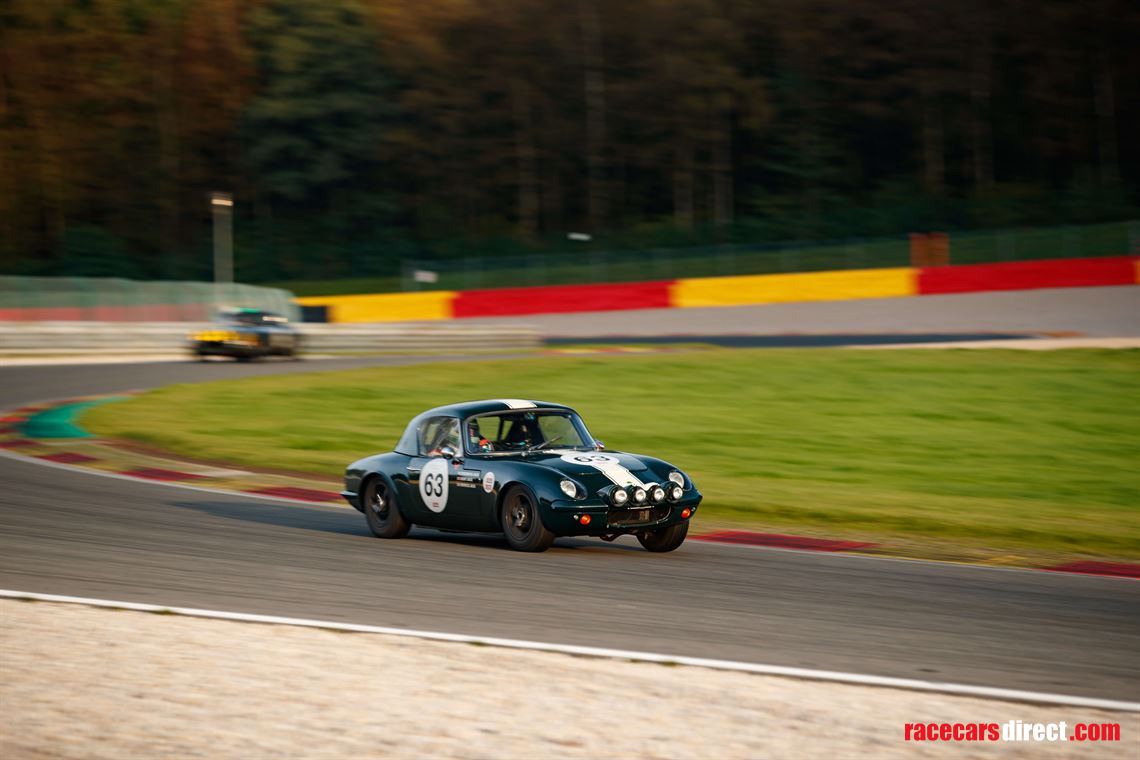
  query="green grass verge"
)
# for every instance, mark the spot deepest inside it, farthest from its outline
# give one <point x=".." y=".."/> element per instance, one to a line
<point x="1012" y="450"/>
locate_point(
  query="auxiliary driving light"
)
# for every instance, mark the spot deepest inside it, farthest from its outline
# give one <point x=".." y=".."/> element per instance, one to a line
<point x="675" y="493"/>
<point x="685" y="513"/>
<point x="584" y="519"/>
<point x="639" y="495"/>
<point x="620" y="496"/>
<point x="657" y="494"/>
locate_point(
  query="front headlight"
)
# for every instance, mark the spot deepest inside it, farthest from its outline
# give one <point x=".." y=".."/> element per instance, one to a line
<point x="569" y="488"/>
<point x="677" y="478"/>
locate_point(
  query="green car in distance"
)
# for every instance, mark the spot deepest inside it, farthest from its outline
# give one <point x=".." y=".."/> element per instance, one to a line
<point x="528" y="469"/>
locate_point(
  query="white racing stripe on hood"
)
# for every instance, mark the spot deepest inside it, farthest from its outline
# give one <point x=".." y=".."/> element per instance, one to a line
<point x="619" y="475"/>
<point x="517" y="403"/>
<point x="606" y="464"/>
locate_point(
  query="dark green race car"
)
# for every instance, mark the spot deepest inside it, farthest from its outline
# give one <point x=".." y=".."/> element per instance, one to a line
<point x="528" y="469"/>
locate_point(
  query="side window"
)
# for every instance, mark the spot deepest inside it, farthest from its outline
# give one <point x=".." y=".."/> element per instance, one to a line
<point x="438" y="432"/>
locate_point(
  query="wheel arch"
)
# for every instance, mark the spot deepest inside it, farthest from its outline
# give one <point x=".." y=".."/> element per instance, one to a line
<point x="394" y="494"/>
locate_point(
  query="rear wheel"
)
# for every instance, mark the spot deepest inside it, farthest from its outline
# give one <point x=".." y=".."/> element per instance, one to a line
<point x="664" y="539"/>
<point x="521" y="523"/>
<point x="382" y="511"/>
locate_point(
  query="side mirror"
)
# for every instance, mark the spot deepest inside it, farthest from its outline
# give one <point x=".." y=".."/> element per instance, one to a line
<point x="599" y="445"/>
<point x="448" y="452"/>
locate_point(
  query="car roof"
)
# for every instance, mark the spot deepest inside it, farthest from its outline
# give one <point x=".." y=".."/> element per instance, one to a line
<point x="407" y="443"/>
<point x="489" y="406"/>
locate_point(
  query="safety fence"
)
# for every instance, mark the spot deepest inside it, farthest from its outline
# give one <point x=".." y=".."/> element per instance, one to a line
<point x="727" y="291"/>
<point x="108" y="299"/>
<point x="660" y="264"/>
<point x="166" y="338"/>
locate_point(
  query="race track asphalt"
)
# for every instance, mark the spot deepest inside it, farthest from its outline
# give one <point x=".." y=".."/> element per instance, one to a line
<point x="77" y="533"/>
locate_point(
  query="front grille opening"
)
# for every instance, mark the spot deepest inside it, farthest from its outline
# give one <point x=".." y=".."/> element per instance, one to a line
<point x="640" y="516"/>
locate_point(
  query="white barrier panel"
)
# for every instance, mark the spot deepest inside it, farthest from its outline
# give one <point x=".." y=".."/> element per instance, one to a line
<point x="71" y="338"/>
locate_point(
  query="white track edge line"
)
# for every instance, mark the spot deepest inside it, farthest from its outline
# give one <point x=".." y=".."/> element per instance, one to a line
<point x="964" y="690"/>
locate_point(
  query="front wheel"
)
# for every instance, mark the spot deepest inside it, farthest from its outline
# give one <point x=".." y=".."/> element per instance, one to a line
<point x="381" y="510"/>
<point x="664" y="539"/>
<point x="521" y="523"/>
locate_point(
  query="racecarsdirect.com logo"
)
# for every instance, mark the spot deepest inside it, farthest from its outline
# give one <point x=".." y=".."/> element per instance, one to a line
<point x="1011" y="731"/>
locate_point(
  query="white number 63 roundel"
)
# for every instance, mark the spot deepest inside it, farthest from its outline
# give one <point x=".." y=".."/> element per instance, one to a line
<point x="433" y="484"/>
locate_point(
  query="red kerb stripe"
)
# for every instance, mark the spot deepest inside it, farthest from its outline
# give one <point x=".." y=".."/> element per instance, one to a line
<point x="1092" y="567"/>
<point x="67" y="457"/>
<point x="157" y="473"/>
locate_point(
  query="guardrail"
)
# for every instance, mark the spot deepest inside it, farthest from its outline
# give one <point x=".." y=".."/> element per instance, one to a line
<point x="111" y="299"/>
<point x="109" y="338"/>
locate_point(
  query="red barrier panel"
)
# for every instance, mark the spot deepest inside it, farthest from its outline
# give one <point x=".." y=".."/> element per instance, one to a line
<point x="559" y="299"/>
<point x="1028" y="275"/>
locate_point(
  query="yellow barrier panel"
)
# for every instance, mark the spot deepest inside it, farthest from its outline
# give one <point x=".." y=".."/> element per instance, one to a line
<point x="385" y="307"/>
<point x="803" y="286"/>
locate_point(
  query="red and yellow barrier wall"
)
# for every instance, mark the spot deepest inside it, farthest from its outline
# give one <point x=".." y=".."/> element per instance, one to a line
<point x="731" y="291"/>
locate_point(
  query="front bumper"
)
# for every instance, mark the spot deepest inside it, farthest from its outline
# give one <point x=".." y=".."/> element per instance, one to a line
<point x="353" y="499"/>
<point x="563" y="517"/>
<point x="224" y="348"/>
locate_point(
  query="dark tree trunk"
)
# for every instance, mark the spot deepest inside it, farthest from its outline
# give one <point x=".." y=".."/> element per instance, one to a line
<point x="595" y="99"/>
<point x="683" y="184"/>
<point x="981" y="129"/>
<point x="525" y="162"/>
<point x="1105" y="97"/>
<point x="722" y="170"/>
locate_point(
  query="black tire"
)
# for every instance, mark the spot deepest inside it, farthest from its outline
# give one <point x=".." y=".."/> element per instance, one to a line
<point x="521" y="523"/>
<point x="664" y="539"/>
<point x="382" y="511"/>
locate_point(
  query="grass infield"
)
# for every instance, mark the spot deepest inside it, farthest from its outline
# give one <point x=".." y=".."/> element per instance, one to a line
<point x="1006" y="450"/>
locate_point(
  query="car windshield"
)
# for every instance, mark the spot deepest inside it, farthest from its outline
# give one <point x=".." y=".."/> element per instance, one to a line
<point x="252" y="318"/>
<point x="506" y="432"/>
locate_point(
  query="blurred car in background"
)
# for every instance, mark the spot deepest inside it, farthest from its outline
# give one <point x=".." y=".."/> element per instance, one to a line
<point x="246" y="334"/>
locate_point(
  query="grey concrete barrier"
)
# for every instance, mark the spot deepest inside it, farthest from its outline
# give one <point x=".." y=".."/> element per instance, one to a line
<point x="129" y="338"/>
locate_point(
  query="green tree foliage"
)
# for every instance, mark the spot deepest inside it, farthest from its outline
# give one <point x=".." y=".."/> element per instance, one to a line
<point x="315" y="124"/>
<point x="356" y="132"/>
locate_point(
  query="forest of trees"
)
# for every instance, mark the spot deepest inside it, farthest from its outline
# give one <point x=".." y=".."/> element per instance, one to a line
<point x="355" y="133"/>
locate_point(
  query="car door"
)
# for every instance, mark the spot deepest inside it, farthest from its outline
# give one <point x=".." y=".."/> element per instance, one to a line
<point x="441" y="488"/>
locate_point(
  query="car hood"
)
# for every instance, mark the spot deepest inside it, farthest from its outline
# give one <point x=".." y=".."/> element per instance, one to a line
<point x="595" y="469"/>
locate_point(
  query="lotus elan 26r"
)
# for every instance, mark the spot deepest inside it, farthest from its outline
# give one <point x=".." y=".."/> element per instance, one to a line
<point x="528" y="469"/>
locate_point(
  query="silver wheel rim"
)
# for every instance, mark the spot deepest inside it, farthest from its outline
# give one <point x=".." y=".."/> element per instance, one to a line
<point x="378" y="502"/>
<point x="519" y="515"/>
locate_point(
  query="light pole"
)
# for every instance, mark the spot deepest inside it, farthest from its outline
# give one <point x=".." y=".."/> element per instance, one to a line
<point x="222" y="205"/>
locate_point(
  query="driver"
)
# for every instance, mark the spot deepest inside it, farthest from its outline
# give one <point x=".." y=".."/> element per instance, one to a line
<point x="475" y="439"/>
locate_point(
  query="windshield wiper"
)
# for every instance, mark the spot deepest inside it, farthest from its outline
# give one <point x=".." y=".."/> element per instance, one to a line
<point x="543" y="445"/>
